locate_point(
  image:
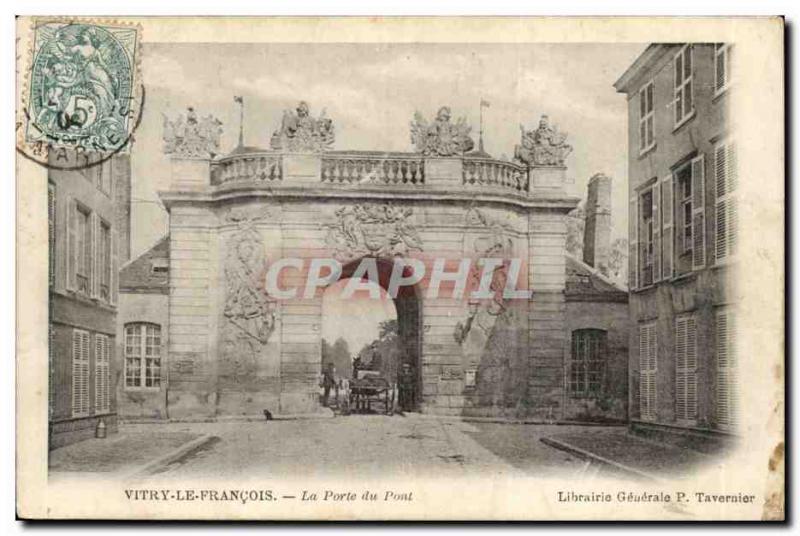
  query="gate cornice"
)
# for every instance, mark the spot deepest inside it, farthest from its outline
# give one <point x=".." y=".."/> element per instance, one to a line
<point x="301" y="193"/>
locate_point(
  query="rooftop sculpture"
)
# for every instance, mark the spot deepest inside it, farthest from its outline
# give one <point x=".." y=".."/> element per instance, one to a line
<point x="544" y="146"/>
<point x="441" y="138"/>
<point x="192" y="137"/>
<point x="300" y="132"/>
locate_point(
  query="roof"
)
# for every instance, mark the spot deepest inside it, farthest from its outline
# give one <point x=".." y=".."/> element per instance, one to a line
<point x="585" y="283"/>
<point x="138" y="275"/>
<point x="649" y="56"/>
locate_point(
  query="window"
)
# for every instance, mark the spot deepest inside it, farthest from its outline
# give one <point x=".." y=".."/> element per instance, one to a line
<point x="647" y="371"/>
<point x="51" y="233"/>
<point x="102" y="362"/>
<point x="686" y="369"/>
<point x="142" y="355"/>
<point x="80" y="373"/>
<point x="646" y="118"/>
<point x="83" y="248"/>
<point x="683" y="194"/>
<point x="646" y="238"/>
<point x="726" y="369"/>
<point x="160" y="266"/>
<point x="689" y="216"/>
<point x="722" y="67"/>
<point x="684" y="103"/>
<point x="588" y="363"/>
<point x="725" y="213"/>
<point x="104" y="260"/>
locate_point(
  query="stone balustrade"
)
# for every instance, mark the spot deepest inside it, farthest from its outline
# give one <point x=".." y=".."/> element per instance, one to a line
<point x="372" y="169"/>
<point x="257" y="167"/>
<point x="495" y="174"/>
<point x="398" y="169"/>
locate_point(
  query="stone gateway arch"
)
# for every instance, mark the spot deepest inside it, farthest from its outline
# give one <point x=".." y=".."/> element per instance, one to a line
<point x="235" y="348"/>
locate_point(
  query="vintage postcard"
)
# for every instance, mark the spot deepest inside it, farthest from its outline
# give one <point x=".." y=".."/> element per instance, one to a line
<point x="400" y="268"/>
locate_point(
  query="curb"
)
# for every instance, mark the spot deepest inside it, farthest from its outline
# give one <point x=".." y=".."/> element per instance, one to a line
<point x="560" y="445"/>
<point x="500" y="420"/>
<point x="234" y="418"/>
<point x="166" y="459"/>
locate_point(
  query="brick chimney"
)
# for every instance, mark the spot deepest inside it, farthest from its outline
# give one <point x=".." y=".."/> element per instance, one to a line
<point x="597" y="232"/>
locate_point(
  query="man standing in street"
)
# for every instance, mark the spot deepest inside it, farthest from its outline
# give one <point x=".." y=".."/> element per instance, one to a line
<point x="406" y="387"/>
<point x="328" y="382"/>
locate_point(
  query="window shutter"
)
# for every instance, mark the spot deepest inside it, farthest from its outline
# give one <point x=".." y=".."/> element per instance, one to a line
<point x="80" y="372"/>
<point x="113" y="278"/>
<point x="691" y="366"/>
<point x="647" y="372"/>
<point x="101" y="377"/>
<point x="698" y="213"/>
<point x="667" y="232"/>
<point x="656" y="233"/>
<point x="633" y="244"/>
<point x="726" y="370"/>
<point x="96" y="262"/>
<point x="72" y="244"/>
<point x="685" y="369"/>
<point x="721" y="211"/>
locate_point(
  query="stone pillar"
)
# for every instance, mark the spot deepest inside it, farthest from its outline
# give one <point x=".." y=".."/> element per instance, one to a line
<point x="597" y="232"/>
<point x="189" y="173"/>
<point x="444" y="173"/>
<point x="192" y="338"/>
<point x="547" y="181"/>
<point x="302" y="168"/>
<point x="546" y="314"/>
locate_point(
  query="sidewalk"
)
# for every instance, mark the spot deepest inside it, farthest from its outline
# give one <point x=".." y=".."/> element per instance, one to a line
<point x="627" y="453"/>
<point x="132" y="450"/>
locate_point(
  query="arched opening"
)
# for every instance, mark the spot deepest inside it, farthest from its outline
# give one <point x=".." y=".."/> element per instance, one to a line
<point x="382" y="332"/>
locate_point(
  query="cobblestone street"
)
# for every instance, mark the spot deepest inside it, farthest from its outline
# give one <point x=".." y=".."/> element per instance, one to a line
<point x="367" y="445"/>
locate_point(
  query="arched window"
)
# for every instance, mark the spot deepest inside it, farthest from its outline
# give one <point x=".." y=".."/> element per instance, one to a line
<point x="142" y="355"/>
<point x="588" y="362"/>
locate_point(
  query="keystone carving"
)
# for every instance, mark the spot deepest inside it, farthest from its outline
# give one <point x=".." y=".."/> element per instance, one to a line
<point x="380" y="230"/>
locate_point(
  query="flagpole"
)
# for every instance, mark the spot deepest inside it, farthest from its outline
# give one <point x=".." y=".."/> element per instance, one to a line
<point x="480" y="139"/>
<point x="241" y="122"/>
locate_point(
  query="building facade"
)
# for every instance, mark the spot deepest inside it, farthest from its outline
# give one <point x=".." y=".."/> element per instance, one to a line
<point x="597" y="321"/>
<point x="88" y="221"/>
<point x="682" y="235"/>
<point x="143" y="334"/>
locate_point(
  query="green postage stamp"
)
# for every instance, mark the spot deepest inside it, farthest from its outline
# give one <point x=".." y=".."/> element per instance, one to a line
<point x="82" y="90"/>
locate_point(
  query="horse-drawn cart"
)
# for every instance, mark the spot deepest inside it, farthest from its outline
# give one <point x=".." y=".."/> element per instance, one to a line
<point x="371" y="388"/>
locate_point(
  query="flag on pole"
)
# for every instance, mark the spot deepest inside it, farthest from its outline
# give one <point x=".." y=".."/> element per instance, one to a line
<point x="238" y="98"/>
<point x="484" y="103"/>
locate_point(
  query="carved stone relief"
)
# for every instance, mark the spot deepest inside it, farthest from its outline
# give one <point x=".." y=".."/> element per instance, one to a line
<point x="373" y="229"/>
<point x="248" y="310"/>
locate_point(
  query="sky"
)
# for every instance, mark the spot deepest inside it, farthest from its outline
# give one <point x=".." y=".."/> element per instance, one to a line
<point x="355" y="318"/>
<point x="371" y="92"/>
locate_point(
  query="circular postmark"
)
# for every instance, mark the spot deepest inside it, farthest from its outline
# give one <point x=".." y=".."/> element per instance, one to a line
<point x="82" y="101"/>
